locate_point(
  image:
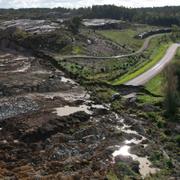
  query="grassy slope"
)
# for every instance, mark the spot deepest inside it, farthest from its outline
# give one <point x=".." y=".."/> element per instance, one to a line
<point x="156" y="85"/>
<point x="125" y="37"/>
<point x="157" y="54"/>
<point x="124" y="69"/>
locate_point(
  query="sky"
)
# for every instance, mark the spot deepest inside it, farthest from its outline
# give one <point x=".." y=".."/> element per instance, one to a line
<point x="84" y="3"/>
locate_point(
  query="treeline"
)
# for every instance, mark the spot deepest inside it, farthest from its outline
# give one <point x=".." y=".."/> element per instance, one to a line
<point x="164" y="16"/>
<point x="33" y="13"/>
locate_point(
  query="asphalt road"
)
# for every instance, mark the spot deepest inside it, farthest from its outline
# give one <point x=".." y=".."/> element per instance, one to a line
<point x="148" y="75"/>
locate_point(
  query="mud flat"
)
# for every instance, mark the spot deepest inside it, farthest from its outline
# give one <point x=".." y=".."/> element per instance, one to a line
<point x="27" y="81"/>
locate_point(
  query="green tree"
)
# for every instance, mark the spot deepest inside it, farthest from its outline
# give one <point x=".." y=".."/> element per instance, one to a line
<point x="175" y="33"/>
<point x="171" y="93"/>
<point x="74" y="25"/>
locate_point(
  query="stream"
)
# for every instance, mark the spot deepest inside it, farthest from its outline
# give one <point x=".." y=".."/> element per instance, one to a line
<point x="145" y="166"/>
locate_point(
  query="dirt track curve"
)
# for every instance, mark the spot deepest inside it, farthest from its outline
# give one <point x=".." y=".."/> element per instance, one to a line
<point x="143" y="48"/>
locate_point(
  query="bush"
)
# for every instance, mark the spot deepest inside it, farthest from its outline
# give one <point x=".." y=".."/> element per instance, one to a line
<point x="74" y="25"/>
<point x="177" y="139"/>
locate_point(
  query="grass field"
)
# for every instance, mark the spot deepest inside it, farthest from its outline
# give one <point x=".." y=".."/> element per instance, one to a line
<point x="126" y="37"/>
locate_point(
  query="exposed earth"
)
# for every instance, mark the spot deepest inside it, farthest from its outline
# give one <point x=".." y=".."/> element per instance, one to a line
<point x="51" y="127"/>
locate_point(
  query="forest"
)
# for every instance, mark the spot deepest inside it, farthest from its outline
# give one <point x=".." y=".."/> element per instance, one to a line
<point x="164" y="16"/>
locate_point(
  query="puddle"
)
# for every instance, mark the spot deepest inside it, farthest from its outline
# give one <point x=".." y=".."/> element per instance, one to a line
<point x="20" y="58"/>
<point x="129" y="131"/>
<point x="5" y="55"/>
<point x="23" y="69"/>
<point x="145" y="168"/>
<point x="68" y="110"/>
<point x="68" y="96"/>
<point x="123" y="151"/>
<point x="129" y="96"/>
<point x="66" y="80"/>
<point x="4" y="142"/>
<point x="134" y="141"/>
<point x="15" y="141"/>
<point x="99" y="106"/>
<point x="41" y="72"/>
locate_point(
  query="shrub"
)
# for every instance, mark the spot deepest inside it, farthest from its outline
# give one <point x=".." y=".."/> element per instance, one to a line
<point x="177" y="139"/>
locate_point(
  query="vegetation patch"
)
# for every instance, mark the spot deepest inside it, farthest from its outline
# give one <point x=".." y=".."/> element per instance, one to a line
<point x="153" y="60"/>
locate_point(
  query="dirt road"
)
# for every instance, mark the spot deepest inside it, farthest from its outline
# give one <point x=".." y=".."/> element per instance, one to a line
<point x="146" y="76"/>
<point x="143" y="48"/>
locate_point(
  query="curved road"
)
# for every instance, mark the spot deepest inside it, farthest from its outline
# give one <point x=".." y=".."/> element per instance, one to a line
<point x="146" y="76"/>
<point x="143" y="48"/>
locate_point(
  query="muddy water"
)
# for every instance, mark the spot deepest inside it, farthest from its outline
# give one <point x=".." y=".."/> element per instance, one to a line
<point x="68" y="96"/>
<point x="4" y="55"/>
<point x="22" y="69"/>
<point x="66" y="80"/>
<point x="68" y="110"/>
<point x="41" y="72"/>
<point x="145" y="168"/>
<point x="22" y="62"/>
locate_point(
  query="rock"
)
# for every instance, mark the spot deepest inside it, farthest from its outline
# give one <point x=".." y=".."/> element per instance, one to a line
<point x="60" y="138"/>
<point x="80" y="116"/>
<point x="89" y="139"/>
<point x="132" y="100"/>
<point x="100" y="111"/>
<point x="135" y="166"/>
<point x="149" y="108"/>
<point x="16" y="106"/>
<point x="89" y="41"/>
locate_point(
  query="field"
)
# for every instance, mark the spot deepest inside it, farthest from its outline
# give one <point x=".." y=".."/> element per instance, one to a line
<point x="126" y="37"/>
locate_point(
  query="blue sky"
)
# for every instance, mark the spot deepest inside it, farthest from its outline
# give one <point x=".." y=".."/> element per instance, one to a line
<point x="80" y="3"/>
